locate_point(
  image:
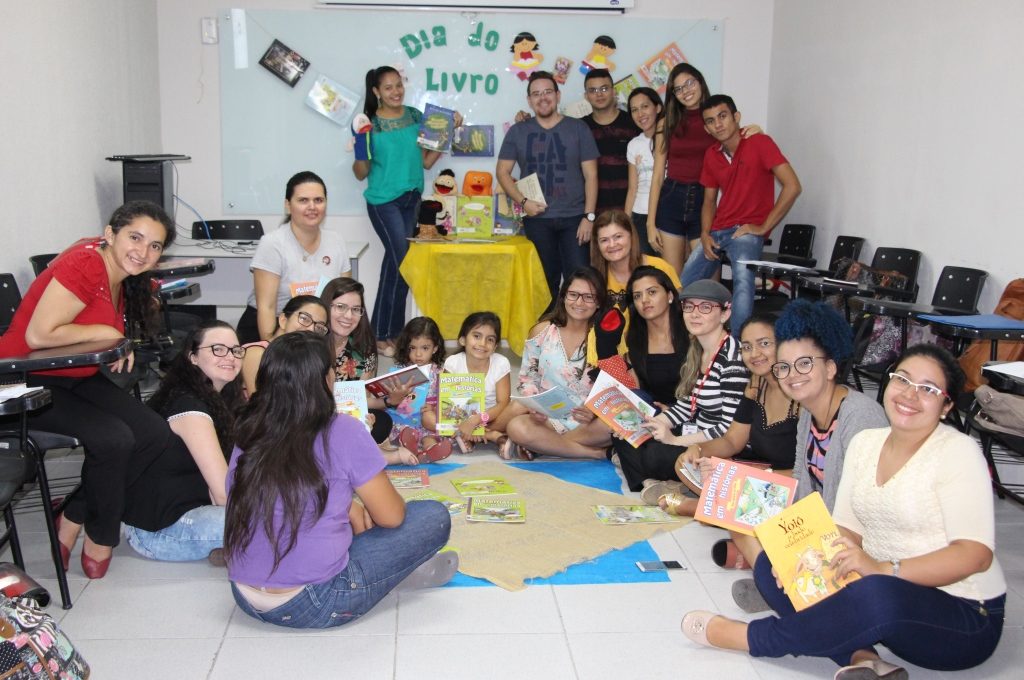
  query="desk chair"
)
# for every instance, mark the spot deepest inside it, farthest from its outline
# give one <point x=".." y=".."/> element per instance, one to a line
<point x="41" y="262"/>
<point x="796" y="246"/>
<point x="845" y="246"/>
<point x="10" y="298"/>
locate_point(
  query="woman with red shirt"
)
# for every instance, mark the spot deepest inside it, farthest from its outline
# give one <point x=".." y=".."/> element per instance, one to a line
<point x="90" y="292"/>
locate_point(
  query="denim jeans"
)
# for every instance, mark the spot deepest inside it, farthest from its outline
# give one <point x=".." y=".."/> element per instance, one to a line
<point x="555" y="240"/>
<point x="679" y="206"/>
<point x="746" y="247"/>
<point x="925" y="626"/>
<point x="191" y="538"/>
<point x="378" y="560"/>
<point x="640" y="222"/>
<point x="394" y="222"/>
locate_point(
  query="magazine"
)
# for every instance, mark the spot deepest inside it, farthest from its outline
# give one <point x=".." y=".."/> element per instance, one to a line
<point x="632" y="514"/>
<point x="557" y="402"/>
<point x="436" y="128"/>
<point x="459" y="395"/>
<point x="408" y="479"/>
<point x="470" y="487"/>
<point x="739" y="497"/>
<point x="410" y="376"/>
<point x="529" y="187"/>
<point x="453" y="505"/>
<point x="502" y="510"/>
<point x="350" y="399"/>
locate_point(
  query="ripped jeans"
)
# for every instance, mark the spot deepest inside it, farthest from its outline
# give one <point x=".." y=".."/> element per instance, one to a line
<point x="191" y="538"/>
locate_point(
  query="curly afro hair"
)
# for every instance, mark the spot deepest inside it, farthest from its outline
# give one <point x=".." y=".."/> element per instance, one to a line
<point x="819" y="323"/>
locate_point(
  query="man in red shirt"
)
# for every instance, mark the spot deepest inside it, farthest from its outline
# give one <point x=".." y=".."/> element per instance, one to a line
<point x="744" y="171"/>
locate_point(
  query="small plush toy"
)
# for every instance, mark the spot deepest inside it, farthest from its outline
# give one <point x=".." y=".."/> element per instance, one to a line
<point x="426" y="227"/>
<point x="477" y="183"/>
<point x="445" y="183"/>
<point x="361" y="137"/>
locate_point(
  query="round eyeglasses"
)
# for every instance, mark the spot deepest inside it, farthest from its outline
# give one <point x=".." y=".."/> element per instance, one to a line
<point x="343" y="309"/>
<point x="688" y="85"/>
<point x="305" y="320"/>
<point x="802" y="365"/>
<point x="222" y="350"/>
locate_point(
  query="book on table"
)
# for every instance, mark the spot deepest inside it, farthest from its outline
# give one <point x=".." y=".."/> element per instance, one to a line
<point x="499" y="510"/>
<point x="798" y="541"/>
<point x="474" y="218"/>
<point x="620" y="408"/>
<point x="350" y="400"/>
<point x="410" y="376"/>
<point x="436" y="128"/>
<point x="479" y="486"/>
<point x="408" y="479"/>
<point x="556" y="402"/>
<point x="738" y="497"/>
<point x="459" y="396"/>
<point x="453" y="505"/>
<point x="632" y="514"/>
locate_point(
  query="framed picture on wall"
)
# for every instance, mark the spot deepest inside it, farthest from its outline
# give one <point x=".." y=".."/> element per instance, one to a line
<point x="284" y="62"/>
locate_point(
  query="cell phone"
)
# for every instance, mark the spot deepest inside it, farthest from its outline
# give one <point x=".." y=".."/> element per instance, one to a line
<point x="659" y="566"/>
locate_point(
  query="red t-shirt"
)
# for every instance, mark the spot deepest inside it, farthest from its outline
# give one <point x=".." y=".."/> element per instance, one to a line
<point x="80" y="269"/>
<point x="747" y="184"/>
<point x="686" y="149"/>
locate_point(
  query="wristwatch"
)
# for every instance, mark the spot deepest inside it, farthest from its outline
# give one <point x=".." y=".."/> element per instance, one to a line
<point x="591" y="217"/>
<point x="522" y="203"/>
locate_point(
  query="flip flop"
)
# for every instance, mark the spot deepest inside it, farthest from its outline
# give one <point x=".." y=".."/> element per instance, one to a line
<point x="410" y="439"/>
<point x="438" y="452"/>
<point x="727" y="555"/>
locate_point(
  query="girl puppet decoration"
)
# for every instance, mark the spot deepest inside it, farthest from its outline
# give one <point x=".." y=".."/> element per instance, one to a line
<point x="524" y="59"/>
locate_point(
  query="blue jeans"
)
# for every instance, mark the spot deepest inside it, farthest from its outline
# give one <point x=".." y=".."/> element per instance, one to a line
<point x="378" y="560"/>
<point x="191" y="538"/>
<point x="394" y="222"/>
<point x="555" y="241"/>
<point x="925" y="626"/>
<point x="679" y="206"/>
<point x="746" y="247"/>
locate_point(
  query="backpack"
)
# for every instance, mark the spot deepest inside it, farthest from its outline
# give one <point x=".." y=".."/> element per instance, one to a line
<point x="1011" y="305"/>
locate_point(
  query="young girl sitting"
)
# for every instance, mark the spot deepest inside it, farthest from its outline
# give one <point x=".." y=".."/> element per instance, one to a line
<point x="479" y="338"/>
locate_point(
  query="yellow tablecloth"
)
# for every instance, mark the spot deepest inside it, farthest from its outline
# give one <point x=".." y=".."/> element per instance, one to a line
<point x="451" y="280"/>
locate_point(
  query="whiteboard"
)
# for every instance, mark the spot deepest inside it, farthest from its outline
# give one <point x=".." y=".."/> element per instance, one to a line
<point x="459" y="61"/>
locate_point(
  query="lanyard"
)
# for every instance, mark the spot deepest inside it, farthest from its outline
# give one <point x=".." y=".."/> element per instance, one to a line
<point x="700" y="385"/>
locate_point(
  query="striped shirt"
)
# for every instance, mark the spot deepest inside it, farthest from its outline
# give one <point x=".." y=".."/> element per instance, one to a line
<point x="717" y="396"/>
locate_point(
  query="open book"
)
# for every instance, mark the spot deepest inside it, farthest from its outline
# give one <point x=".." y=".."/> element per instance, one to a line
<point x="557" y="402"/>
<point x="529" y="186"/>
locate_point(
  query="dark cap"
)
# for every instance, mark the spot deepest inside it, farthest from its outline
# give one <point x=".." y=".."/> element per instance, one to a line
<point x="706" y="289"/>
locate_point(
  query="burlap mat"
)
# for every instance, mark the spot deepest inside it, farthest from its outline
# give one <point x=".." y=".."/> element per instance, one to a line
<point x="560" y="529"/>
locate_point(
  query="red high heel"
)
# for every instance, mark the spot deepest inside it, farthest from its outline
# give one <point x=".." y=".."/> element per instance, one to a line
<point x="65" y="556"/>
<point x="95" y="568"/>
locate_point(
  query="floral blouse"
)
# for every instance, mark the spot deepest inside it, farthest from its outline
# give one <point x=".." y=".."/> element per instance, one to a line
<point x="351" y="365"/>
<point x="546" y="363"/>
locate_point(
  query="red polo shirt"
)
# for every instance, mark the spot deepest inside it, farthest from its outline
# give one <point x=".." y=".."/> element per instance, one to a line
<point x="746" y="184"/>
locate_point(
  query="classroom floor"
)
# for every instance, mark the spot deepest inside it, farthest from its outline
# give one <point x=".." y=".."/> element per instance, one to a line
<point x="162" y="620"/>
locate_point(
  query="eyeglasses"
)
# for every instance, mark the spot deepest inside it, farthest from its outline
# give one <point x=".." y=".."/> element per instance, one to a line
<point x="688" y="85"/>
<point x="542" y="93"/>
<point x="573" y="296"/>
<point x="702" y="307"/>
<point x="764" y="343"/>
<point x="305" y="320"/>
<point x="803" y="366"/>
<point x="342" y="310"/>
<point x="222" y="350"/>
<point x="596" y="90"/>
<point x="929" y="392"/>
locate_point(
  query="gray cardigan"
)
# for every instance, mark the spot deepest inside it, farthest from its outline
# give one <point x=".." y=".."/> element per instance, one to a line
<point x="857" y="412"/>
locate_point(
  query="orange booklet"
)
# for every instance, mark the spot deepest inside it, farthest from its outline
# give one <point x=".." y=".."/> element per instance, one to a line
<point x="799" y="544"/>
<point x="619" y="413"/>
<point x="737" y="496"/>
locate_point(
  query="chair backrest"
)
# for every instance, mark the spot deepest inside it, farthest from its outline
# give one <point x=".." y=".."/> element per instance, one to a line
<point x="797" y="240"/>
<point x="40" y="262"/>
<point x="959" y="289"/>
<point x="845" y="246"/>
<point x="903" y="260"/>
<point x="10" y="298"/>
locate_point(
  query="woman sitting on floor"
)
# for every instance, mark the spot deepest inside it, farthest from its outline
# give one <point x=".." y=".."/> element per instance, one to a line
<point x="300" y="313"/>
<point x="914" y="507"/>
<point x="301" y="551"/>
<point x="175" y="511"/>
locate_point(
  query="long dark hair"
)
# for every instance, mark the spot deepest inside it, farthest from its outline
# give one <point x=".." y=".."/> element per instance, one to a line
<point x="636" y="334"/>
<point x="304" y="177"/>
<point x="373" y="78"/>
<point x="141" y="309"/>
<point x="420" y="327"/>
<point x="185" y="378"/>
<point x="655" y="99"/>
<point x="477" y="319"/>
<point x="675" y="112"/>
<point x="275" y="433"/>
<point x="558" y="316"/>
<point x="362" y="339"/>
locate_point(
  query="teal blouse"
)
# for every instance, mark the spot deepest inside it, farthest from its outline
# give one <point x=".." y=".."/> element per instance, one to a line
<point x="396" y="166"/>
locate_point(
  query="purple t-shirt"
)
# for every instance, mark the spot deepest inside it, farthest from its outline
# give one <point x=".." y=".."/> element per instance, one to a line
<point x="321" y="551"/>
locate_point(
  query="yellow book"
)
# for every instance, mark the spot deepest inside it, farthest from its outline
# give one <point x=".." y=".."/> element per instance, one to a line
<point x="798" y="542"/>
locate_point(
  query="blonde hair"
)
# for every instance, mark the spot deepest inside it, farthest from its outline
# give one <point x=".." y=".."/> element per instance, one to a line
<point x="690" y="369"/>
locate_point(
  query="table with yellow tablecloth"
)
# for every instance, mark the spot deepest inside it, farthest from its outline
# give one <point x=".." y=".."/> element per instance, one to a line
<point x="450" y="280"/>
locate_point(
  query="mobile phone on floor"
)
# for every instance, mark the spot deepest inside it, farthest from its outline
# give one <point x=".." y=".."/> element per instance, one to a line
<point x="659" y="566"/>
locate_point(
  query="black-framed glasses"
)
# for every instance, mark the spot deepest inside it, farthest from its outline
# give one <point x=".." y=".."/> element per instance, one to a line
<point x="688" y="85"/>
<point x="573" y="296"/>
<point x="602" y="89"/>
<point x="803" y="366"/>
<point x="220" y="350"/>
<point x="305" y="320"/>
<point x="762" y="344"/>
<point x="929" y="392"/>
<point x="702" y="307"/>
<point x="343" y="309"/>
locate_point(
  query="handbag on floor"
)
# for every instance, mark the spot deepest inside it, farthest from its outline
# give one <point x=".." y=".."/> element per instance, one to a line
<point x="32" y="647"/>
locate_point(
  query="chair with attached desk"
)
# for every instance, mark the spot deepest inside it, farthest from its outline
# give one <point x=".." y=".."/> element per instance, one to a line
<point x="41" y="262"/>
<point x="991" y="434"/>
<point x="10" y="298"/>
<point x="796" y="246"/>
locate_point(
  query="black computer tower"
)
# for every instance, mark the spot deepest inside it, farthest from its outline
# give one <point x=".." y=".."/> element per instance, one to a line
<point x="150" y="181"/>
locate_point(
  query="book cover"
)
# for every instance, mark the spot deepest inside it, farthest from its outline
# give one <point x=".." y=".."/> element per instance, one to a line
<point x="508" y="216"/>
<point x="624" y="87"/>
<point x="410" y="376"/>
<point x="577" y="109"/>
<point x="350" y="399"/>
<point x="799" y="544"/>
<point x="632" y="514"/>
<point x="557" y="402"/>
<point x="474" y="217"/>
<point x="333" y="100"/>
<point x="657" y="69"/>
<point x="739" y="497"/>
<point x="470" y="487"/>
<point x="436" y="128"/>
<point x="616" y="411"/>
<point x="454" y="506"/>
<point x="459" y="395"/>
<point x="501" y="510"/>
<point x="529" y="187"/>
<point x="689" y="474"/>
<point x="473" y="140"/>
<point x="408" y="479"/>
<point x="605" y="380"/>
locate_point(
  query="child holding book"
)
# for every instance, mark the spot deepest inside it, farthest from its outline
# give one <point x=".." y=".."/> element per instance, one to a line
<point x="479" y="337"/>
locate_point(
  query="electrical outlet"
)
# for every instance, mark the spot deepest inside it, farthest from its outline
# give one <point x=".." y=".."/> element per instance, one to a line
<point x="209" y="30"/>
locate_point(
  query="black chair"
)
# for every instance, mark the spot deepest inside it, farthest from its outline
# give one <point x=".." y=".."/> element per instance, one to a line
<point x="844" y="247"/>
<point x="40" y="262"/>
<point x="10" y="298"/>
<point x="796" y="246"/>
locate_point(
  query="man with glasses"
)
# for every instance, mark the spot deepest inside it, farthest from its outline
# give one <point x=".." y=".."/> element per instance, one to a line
<point x="744" y="171"/>
<point x="613" y="129"/>
<point x="562" y="153"/>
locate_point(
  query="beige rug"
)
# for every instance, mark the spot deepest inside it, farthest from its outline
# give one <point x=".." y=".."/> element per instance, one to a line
<point x="560" y="529"/>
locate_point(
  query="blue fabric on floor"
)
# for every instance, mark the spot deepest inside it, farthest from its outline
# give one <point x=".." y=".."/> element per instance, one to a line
<point x="617" y="566"/>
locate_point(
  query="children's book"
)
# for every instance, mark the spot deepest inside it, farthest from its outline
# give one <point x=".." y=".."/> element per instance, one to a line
<point x="333" y="100"/>
<point x="502" y="510"/>
<point x="508" y="216"/>
<point x="577" y="109"/>
<point x="350" y="399"/>
<point x="657" y="69"/>
<point x="459" y="395"/>
<point x="410" y="376"/>
<point x="436" y="128"/>
<point x="624" y="87"/>
<point x="557" y="402"/>
<point x="529" y="187"/>
<point x="605" y="380"/>
<point x="408" y="479"/>
<point x="620" y="409"/>
<point x="632" y="514"/>
<point x="798" y="541"/>
<point x="474" y="217"/>
<point x="455" y="506"/>
<point x="739" y="497"/>
<point x="470" y="487"/>
<point x="691" y="477"/>
<point x="473" y="140"/>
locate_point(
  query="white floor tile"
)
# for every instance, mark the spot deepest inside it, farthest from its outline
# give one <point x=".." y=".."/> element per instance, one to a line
<point x="630" y="606"/>
<point x="695" y="540"/>
<point x="378" y="621"/>
<point x="497" y="656"/>
<point x="150" y="659"/>
<point x="439" y="611"/>
<point x="652" y="656"/>
<point x="369" y="657"/>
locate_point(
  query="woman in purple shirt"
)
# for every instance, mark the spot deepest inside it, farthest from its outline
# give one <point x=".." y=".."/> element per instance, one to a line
<point x="301" y="551"/>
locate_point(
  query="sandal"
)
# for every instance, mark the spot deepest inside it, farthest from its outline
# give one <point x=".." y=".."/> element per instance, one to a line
<point x="655" y="489"/>
<point x="410" y="439"/>
<point x="726" y="555"/>
<point x="871" y="669"/>
<point x="506" y="447"/>
<point x="437" y="452"/>
<point x="674" y="504"/>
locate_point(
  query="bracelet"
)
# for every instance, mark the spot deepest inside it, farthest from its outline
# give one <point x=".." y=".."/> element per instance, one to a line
<point x="522" y="203"/>
<point x="895" y="562"/>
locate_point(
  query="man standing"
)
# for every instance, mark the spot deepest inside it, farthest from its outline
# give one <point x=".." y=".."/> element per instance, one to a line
<point x="744" y="171"/>
<point x="613" y="129"/>
<point x="561" y="151"/>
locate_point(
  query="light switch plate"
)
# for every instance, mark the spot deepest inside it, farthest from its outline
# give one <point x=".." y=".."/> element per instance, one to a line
<point x="209" y="30"/>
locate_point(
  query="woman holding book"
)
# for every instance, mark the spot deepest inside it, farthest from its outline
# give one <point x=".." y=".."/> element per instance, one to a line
<point x="302" y="552"/>
<point x="914" y="507"/>
<point x="393" y="164"/>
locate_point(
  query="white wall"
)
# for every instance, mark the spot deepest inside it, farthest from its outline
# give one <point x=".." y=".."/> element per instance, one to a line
<point x="190" y="91"/>
<point x="902" y="121"/>
<point x="80" y="84"/>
